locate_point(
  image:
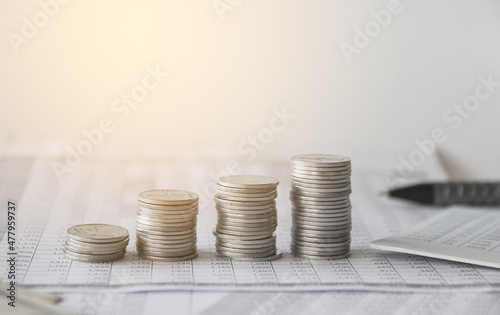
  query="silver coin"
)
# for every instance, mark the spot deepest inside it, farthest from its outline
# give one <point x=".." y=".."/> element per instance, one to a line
<point x="325" y="193"/>
<point x="96" y="250"/>
<point x="232" y="254"/>
<point x="302" y="164"/>
<point x="244" y="233"/>
<point x="243" y="204"/>
<point x="278" y="255"/>
<point x="321" y="245"/>
<point x="77" y="243"/>
<point x="168" y="197"/>
<point x="167" y="239"/>
<point x="248" y="226"/>
<point x="166" y="255"/>
<point x="322" y="240"/>
<point x="163" y="231"/>
<point x="159" y="226"/>
<point x="243" y="238"/>
<point x="319" y="184"/>
<point x="177" y="244"/>
<point x="171" y="218"/>
<point x="322" y="220"/>
<point x="316" y="176"/>
<point x="319" y="251"/>
<point x="171" y="252"/>
<point x="169" y="259"/>
<point x="243" y="190"/>
<point x="167" y="219"/>
<point x="247" y="219"/>
<point x="230" y="195"/>
<point x="248" y="181"/>
<point x="326" y="174"/>
<point x="321" y="160"/>
<point x="246" y="209"/>
<point x="174" y="208"/>
<point x="247" y="229"/>
<point x="247" y="199"/>
<point x="192" y="211"/>
<point x="323" y="170"/>
<point x="303" y="218"/>
<point x="321" y="227"/>
<point x="238" y="242"/>
<point x="314" y="213"/>
<point x="320" y="187"/>
<point x="247" y="249"/>
<point x="321" y="207"/>
<point x="312" y="257"/>
<point x="184" y="246"/>
<point x="92" y="258"/>
<point x="97" y="233"/>
<point x="320" y="234"/>
<point x="246" y="244"/>
<point x="250" y="223"/>
<point x="93" y="251"/>
<point x="246" y="212"/>
<point x="320" y="180"/>
<point x="318" y="200"/>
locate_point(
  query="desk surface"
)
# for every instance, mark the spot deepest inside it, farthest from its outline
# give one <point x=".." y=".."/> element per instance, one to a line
<point x="106" y="192"/>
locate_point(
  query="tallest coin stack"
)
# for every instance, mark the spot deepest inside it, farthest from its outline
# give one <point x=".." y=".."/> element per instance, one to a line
<point x="321" y="210"/>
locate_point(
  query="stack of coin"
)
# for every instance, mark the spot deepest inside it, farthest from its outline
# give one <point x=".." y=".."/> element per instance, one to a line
<point x="166" y="225"/>
<point x="96" y="242"/>
<point x="247" y="217"/>
<point x="321" y="210"/>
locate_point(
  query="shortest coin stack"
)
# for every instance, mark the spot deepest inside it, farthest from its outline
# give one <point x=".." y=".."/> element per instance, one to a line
<point x="246" y="217"/>
<point x="166" y="225"/>
<point x="96" y="242"/>
<point x="321" y="210"/>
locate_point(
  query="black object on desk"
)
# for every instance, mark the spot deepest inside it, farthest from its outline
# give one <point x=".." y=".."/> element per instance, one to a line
<point x="452" y="193"/>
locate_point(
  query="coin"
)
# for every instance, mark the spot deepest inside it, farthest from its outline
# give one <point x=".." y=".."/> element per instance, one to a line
<point x="168" y="197"/>
<point x="248" y="181"/>
<point x="246" y="217"/>
<point x="321" y="160"/>
<point x="321" y="210"/>
<point x="97" y="233"/>
<point x="93" y="258"/>
<point x="313" y="257"/>
<point x="243" y="204"/>
<point x="243" y="190"/>
<point x="169" y="259"/>
<point x="166" y="208"/>
<point x="166" y="225"/>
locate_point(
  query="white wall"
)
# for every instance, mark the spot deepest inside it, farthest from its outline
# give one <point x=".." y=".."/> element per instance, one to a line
<point x="228" y="75"/>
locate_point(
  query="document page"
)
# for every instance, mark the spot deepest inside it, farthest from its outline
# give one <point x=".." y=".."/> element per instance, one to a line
<point x="470" y="235"/>
<point x="105" y="191"/>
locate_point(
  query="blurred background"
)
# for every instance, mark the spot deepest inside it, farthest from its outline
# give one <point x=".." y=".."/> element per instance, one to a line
<point x="254" y="80"/>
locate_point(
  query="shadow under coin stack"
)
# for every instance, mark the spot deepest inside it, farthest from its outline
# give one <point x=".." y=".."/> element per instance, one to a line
<point x="96" y="243"/>
<point x="247" y="217"/>
<point x="166" y="225"/>
<point x="321" y="210"/>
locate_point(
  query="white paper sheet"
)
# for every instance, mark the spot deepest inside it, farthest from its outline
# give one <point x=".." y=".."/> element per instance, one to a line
<point x="106" y="191"/>
<point x="270" y="303"/>
<point x="470" y="235"/>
